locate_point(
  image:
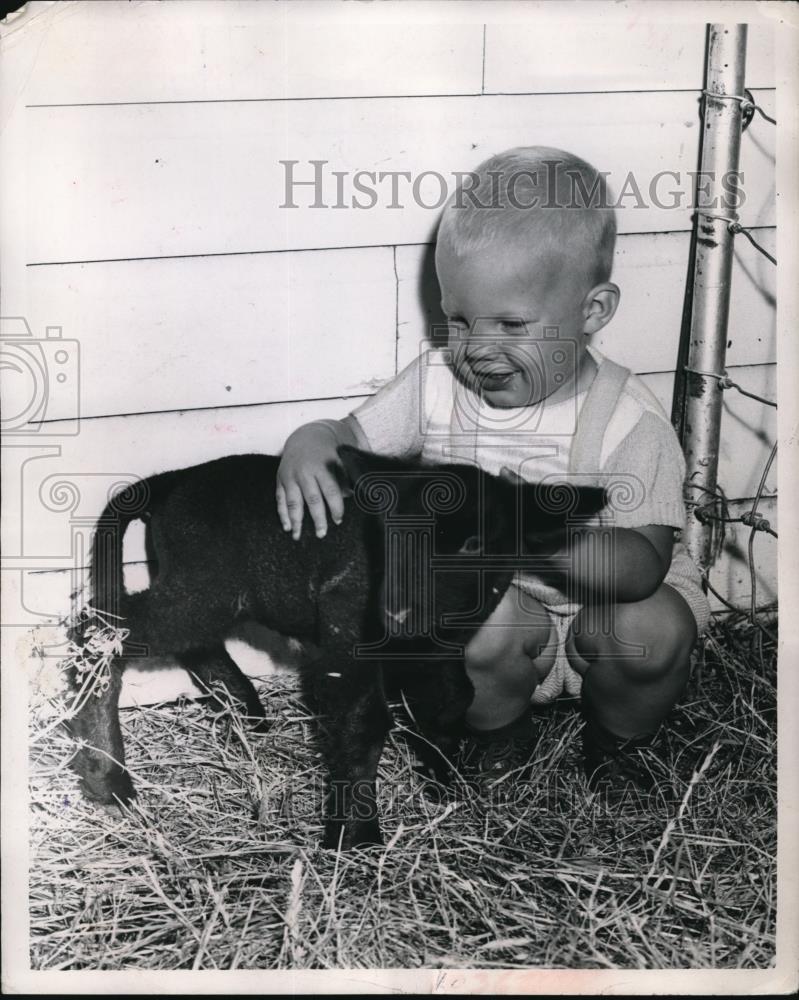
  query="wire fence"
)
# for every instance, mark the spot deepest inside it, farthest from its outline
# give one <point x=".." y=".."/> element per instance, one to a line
<point x="715" y="510"/>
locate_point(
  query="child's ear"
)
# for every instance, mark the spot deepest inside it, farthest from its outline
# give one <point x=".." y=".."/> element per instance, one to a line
<point x="600" y="306"/>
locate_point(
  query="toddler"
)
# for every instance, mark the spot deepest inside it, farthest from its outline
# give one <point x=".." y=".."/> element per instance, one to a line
<point x="523" y="257"/>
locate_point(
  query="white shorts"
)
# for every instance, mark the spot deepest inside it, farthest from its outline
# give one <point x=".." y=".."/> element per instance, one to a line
<point x="563" y="679"/>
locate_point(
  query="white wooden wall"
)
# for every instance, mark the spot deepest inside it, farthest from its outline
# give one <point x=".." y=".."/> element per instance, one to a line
<point x="142" y="146"/>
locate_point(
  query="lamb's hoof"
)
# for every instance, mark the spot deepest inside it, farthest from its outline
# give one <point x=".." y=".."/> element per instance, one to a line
<point x="116" y="810"/>
<point x="103" y="785"/>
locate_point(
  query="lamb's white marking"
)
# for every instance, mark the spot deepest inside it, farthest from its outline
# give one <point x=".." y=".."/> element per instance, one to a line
<point x="334" y="581"/>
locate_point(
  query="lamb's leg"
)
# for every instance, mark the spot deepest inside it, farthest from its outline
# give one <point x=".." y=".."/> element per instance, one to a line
<point x="167" y="624"/>
<point x="438" y="695"/>
<point x="215" y="668"/>
<point x="354" y="728"/>
<point x="100" y="763"/>
<point x="175" y="615"/>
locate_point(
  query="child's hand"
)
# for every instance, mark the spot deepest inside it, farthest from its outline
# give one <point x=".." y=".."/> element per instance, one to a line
<point x="306" y="475"/>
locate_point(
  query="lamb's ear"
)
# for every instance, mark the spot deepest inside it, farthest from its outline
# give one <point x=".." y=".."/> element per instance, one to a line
<point x="550" y="506"/>
<point x="357" y="462"/>
<point x="590" y="500"/>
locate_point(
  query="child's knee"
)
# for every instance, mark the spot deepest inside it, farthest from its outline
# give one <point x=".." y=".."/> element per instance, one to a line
<point x="493" y="647"/>
<point x="511" y="633"/>
<point x="647" y="641"/>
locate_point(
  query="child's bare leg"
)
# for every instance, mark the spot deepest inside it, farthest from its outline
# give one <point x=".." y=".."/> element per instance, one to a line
<point x="630" y="691"/>
<point x="513" y="650"/>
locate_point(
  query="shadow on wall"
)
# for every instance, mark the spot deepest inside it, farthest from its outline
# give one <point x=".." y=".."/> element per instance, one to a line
<point x="756" y="268"/>
<point x="430" y="296"/>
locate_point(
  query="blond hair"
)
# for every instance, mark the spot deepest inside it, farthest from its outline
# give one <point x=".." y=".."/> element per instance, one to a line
<point x="550" y="200"/>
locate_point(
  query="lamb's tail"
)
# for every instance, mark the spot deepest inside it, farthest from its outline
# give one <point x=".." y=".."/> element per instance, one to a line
<point x="106" y="577"/>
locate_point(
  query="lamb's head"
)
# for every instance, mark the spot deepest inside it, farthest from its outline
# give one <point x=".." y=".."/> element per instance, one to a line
<point x="454" y="535"/>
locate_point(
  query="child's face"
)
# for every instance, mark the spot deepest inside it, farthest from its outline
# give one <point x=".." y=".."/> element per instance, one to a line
<point x="516" y="323"/>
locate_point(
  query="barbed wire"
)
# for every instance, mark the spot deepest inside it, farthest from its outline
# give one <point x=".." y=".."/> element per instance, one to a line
<point x="748" y="105"/>
<point x="762" y="609"/>
<point x="734" y="226"/>
<point x="757" y="638"/>
<point x="725" y="382"/>
<point x="717" y="512"/>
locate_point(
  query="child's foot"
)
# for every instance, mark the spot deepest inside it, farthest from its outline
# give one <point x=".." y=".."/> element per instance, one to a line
<point x="489" y="755"/>
<point x="612" y="761"/>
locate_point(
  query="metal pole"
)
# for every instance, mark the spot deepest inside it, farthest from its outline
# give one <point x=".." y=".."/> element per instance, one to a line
<point x="721" y="142"/>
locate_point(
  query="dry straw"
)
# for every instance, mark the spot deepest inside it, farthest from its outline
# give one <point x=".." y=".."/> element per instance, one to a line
<point x="218" y="865"/>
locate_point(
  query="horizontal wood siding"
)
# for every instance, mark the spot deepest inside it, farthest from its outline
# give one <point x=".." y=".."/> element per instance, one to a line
<point x="185" y="334"/>
<point x="595" y="55"/>
<point x="181" y="334"/>
<point x="177" y="179"/>
<point x="244" y="51"/>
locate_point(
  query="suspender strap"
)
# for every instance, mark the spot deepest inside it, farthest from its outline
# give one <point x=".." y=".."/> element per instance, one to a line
<point x="594" y="417"/>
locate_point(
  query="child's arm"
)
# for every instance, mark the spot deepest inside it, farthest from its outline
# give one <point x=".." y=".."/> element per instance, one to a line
<point x="637" y="537"/>
<point x="306" y="474"/>
<point x="388" y="423"/>
<point x="620" y="564"/>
